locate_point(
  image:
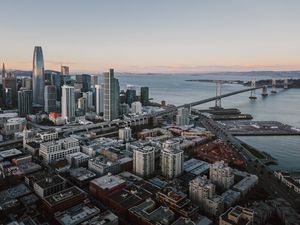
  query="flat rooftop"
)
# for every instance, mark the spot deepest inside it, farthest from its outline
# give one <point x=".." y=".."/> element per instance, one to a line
<point x="50" y="181"/>
<point x="63" y="195"/>
<point x="13" y="193"/>
<point x="108" y="181"/>
<point x="10" y="153"/>
<point x="82" y="174"/>
<point x="77" y="214"/>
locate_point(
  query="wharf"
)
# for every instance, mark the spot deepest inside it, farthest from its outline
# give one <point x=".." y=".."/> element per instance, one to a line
<point x="259" y="128"/>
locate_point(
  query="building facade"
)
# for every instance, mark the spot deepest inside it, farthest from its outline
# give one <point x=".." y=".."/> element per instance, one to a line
<point x="111" y="96"/>
<point x="68" y="103"/>
<point x="99" y="98"/>
<point x="38" y="76"/>
<point x="50" y="98"/>
<point x="144" y="161"/>
<point x="24" y="102"/>
<point x="221" y="175"/>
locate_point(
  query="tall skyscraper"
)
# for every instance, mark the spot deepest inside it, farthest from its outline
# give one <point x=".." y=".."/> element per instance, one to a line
<point x="65" y="70"/>
<point x="56" y="81"/>
<point x="10" y="82"/>
<point x="130" y="96"/>
<point x="89" y="98"/>
<point x="8" y="99"/>
<point x="111" y="96"/>
<point x="68" y="103"/>
<point x="144" y="95"/>
<point x="38" y="76"/>
<point x="50" y="98"/>
<point x="3" y="73"/>
<point x="24" y="102"/>
<point x="85" y="80"/>
<point x="99" y="98"/>
<point x="82" y="104"/>
<point x="182" y="118"/>
<point x="144" y="161"/>
<point x="171" y="159"/>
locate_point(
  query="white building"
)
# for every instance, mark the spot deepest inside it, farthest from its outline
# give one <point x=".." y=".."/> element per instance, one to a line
<point x="48" y="136"/>
<point x="125" y="134"/>
<point x="144" y="161"/>
<point x="89" y="99"/>
<point x="221" y="175"/>
<point x="99" y="98"/>
<point x="68" y="103"/>
<point x="202" y="192"/>
<point x="13" y="125"/>
<point x="82" y="104"/>
<point x="171" y="159"/>
<point x="182" y="118"/>
<point x="57" y="150"/>
<point x="136" y="107"/>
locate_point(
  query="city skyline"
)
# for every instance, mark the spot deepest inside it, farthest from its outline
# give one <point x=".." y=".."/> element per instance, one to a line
<point x="139" y="36"/>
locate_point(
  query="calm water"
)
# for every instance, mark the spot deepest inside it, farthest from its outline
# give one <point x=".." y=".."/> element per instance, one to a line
<point x="283" y="107"/>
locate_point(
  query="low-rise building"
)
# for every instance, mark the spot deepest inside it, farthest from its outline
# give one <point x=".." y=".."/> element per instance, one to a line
<point x="49" y="185"/>
<point x="246" y="184"/>
<point x="57" y="150"/>
<point x="221" y="175"/>
<point x="81" y="176"/>
<point x="237" y="216"/>
<point x="77" y="159"/>
<point x="102" y="166"/>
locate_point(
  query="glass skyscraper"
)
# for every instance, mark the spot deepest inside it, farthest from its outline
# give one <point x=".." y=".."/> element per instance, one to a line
<point x="38" y="76"/>
<point x="111" y="96"/>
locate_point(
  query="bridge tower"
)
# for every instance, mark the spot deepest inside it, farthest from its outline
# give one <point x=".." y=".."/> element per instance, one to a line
<point x="253" y="95"/>
<point x="264" y="92"/>
<point x="286" y="83"/>
<point x="218" y="95"/>
<point x="273" y="86"/>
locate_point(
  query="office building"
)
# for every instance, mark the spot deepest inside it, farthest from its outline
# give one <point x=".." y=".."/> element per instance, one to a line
<point x="144" y="161"/>
<point x="68" y="103"/>
<point x="236" y="216"/>
<point x="171" y="159"/>
<point x="48" y="185"/>
<point x="56" y="81"/>
<point x="99" y="98"/>
<point x="8" y="98"/>
<point x="182" y="118"/>
<point x="125" y="134"/>
<point x="130" y="96"/>
<point x="136" y="107"/>
<point x="64" y="70"/>
<point x="111" y="96"/>
<point x="27" y="83"/>
<point x="85" y="80"/>
<point x="144" y="96"/>
<point x="82" y="104"/>
<point x="124" y="109"/>
<point x="221" y="175"/>
<point x="54" y="151"/>
<point x="9" y="85"/>
<point x="50" y="98"/>
<point x="24" y="102"/>
<point x="102" y="166"/>
<point x="38" y="77"/>
<point x="77" y="159"/>
<point x="89" y="98"/>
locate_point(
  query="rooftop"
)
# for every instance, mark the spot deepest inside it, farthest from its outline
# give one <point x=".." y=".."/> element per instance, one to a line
<point x="102" y="219"/>
<point x="108" y="181"/>
<point x="82" y="174"/>
<point x="10" y="153"/>
<point x="63" y="195"/>
<point x="13" y="193"/>
<point x="76" y="214"/>
<point x="49" y="181"/>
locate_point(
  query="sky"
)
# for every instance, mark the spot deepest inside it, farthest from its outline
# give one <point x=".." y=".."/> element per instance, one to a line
<point x="152" y="36"/>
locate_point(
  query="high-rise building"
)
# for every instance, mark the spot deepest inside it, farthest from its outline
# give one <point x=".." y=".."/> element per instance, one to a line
<point x="171" y="159"/>
<point x="82" y="104"/>
<point x="27" y="83"/>
<point x="144" y="161"/>
<point x="64" y="70"/>
<point x="3" y="72"/>
<point x="130" y="96"/>
<point x="10" y="82"/>
<point x="136" y="107"/>
<point x="24" y="102"/>
<point x="111" y="96"/>
<point x="50" y="98"/>
<point x="89" y="98"/>
<point x="202" y="192"/>
<point x="56" y="81"/>
<point x="8" y="98"/>
<point x="85" y="80"/>
<point x="68" y="103"/>
<point x="99" y="98"/>
<point x="125" y="134"/>
<point x="144" y="96"/>
<point x="182" y="118"/>
<point x="95" y="80"/>
<point x="38" y="77"/>
<point x="221" y="175"/>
